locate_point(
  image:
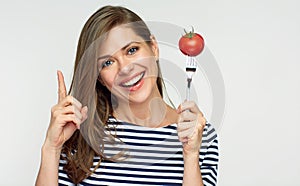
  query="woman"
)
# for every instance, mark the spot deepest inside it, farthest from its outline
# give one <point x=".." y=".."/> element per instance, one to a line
<point x="128" y="134"/>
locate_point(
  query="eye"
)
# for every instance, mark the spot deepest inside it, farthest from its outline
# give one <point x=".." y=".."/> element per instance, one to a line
<point x="132" y="50"/>
<point x="107" y="63"/>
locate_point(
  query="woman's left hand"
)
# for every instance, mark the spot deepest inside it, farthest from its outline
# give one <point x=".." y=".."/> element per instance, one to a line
<point x="190" y="127"/>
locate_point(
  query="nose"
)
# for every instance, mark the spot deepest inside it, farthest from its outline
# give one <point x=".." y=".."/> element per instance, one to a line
<point x="125" y="66"/>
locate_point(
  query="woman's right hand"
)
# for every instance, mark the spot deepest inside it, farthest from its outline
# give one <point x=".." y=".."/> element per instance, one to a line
<point x="66" y="117"/>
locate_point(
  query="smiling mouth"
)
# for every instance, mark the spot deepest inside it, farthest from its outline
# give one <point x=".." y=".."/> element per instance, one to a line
<point x="134" y="81"/>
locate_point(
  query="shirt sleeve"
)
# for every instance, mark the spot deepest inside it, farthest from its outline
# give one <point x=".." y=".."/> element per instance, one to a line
<point x="209" y="156"/>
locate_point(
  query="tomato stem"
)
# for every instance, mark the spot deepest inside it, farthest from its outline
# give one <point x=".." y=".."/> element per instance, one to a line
<point x="189" y="34"/>
<point x="185" y="32"/>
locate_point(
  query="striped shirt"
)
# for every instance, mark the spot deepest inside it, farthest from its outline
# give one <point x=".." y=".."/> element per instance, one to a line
<point x="155" y="158"/>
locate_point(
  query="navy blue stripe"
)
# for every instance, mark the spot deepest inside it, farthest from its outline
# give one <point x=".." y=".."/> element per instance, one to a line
<point x="213" y="147"/>
<point x="132" y="182"/>
<point x="210" y="131"/>
<point x="156" y="145"/>
<point x="154" y="164"/>
<point x="87" y="184"/>
<point x="146" y="138"/>
<point x="210" y="139"/>
<point x="212" y="168"/>
<point x="208" y="181"/>
<point x="127" y="174"/>
<point x="205" y="179"/>
<point x="212" y="153"/>
<point x="211" y="159"/>
<point x="209" y="165"/>
<point x="142" y="131"/>
<point x="161" y="151"/>
<point x="142" y="170"/>
<point x="149" y="157"/>
<point x="208" y="174"/>
<point x="60" y="184"/>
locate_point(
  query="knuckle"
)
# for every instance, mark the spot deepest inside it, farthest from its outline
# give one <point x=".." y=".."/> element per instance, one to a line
<point x="180" y="119"/>
<point x="53" y="109"/>
<point x="193" y="104"/>
<point x="183" y="114"/>
<point x="69" y="98"/>
<point x="62" y="91"/>
<point x="75" y="119"/>
<point x="79" y="104"/>
<point x="71" y="109"/>
<point x="200" y="115"/>
<point x="202" y="122"/>
<point x="78" y="121"/>
<point x="181" y="106"/>
<point x="80" y="117"/>
<point x="201" y="118"/>
<point x="55" y="113"/>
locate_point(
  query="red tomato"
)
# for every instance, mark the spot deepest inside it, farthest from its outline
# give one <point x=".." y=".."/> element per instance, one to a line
<point x="191" y="44"/>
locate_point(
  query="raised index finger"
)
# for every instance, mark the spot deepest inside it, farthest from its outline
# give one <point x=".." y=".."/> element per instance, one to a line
<point x="62" y="92"/>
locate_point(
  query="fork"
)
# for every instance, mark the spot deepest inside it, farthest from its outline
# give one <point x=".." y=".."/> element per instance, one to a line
<point x="190" y="69"/>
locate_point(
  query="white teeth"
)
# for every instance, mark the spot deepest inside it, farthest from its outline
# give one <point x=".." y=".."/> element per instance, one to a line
<point x="133" y="80"/>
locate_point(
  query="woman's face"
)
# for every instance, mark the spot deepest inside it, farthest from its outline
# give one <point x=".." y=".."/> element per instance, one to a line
<point x="127" y="65"/>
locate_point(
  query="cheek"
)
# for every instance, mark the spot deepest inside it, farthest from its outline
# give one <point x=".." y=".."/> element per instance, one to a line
<point x="152" y="66"/>
<point x="107" y="78"/>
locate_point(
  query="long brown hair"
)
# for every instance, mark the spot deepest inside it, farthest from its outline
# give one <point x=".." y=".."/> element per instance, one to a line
<point x="80" y="149"/>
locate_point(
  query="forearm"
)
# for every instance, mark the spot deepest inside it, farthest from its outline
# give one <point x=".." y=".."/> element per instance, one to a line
<point x="48" y="173"/>
<point x="192" y="174"/>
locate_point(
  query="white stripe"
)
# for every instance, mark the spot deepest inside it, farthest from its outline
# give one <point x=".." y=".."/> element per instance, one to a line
<point x="148" y="147"/>
<point x="65" y="182"/>
<point x="130" y="172"/>
<point x="137" y="166"/>
<point x="62" y="175"/>
<point x="171" y="153"/>
<point x="146" y="142"/>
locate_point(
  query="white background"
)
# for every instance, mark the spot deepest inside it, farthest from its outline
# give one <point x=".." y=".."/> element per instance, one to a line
<point x="255" y="43"/>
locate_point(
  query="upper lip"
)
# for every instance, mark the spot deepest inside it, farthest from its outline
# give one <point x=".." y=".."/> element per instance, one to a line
<point x="131" y="77"/>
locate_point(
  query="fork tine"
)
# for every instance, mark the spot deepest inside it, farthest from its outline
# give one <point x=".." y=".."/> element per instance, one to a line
<point x="191" y="67"/>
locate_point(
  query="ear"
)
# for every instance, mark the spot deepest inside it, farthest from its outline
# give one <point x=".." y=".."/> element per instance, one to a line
<point x="155" y="48"/>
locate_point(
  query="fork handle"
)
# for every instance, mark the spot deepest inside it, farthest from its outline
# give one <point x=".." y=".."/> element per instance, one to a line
<point x="188" y="89"/>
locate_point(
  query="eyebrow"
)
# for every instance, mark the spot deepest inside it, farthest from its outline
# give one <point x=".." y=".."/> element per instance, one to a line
<point x="123" y="48"/>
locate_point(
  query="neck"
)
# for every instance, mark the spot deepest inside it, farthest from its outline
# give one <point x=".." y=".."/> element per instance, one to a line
<point x="152" y="113"/>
